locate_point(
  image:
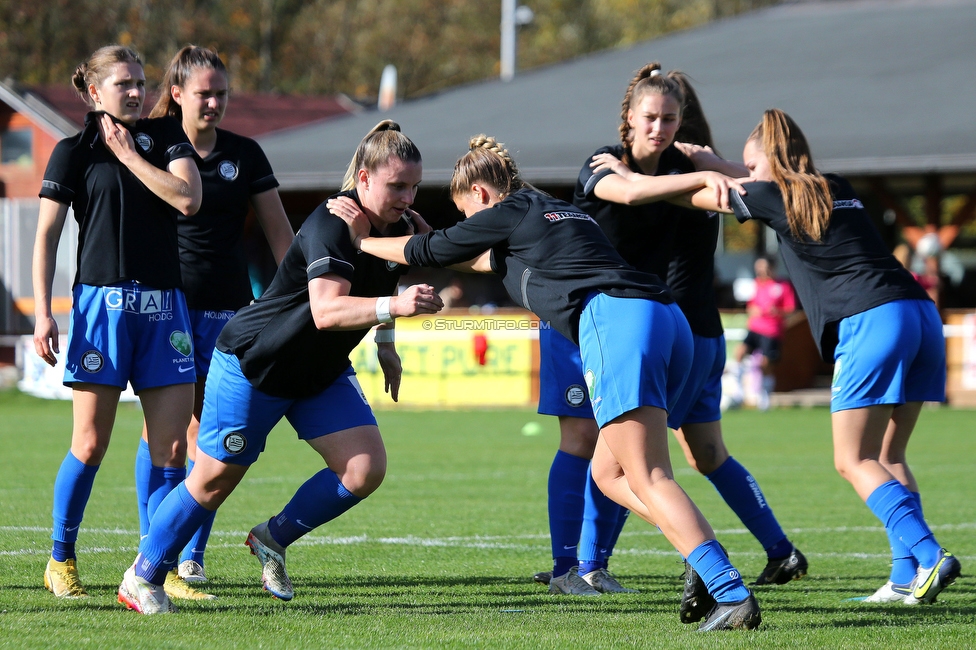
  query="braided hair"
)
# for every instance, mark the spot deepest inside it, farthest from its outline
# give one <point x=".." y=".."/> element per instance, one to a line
<point x="487" y="161"/>
<point x="649" y="79"/>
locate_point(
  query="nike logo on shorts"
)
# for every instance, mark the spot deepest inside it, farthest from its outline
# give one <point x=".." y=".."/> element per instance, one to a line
<point x="182" y="369"/>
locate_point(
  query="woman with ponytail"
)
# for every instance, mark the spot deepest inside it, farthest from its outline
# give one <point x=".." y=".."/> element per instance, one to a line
<point x="236" y="177"/>
<point x="126" y="179"/>
<point x="873" y="321"/>
<point x="636" y="346"/>
<point x="651" y="235"/>
<point x="287" y="355"/>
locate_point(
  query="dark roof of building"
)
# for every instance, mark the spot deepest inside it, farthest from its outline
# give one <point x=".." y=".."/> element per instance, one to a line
<point x="879" y="87"/>
<point x="249" y="114"/>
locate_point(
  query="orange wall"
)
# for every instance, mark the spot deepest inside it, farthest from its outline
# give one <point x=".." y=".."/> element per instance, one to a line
<point x="24" y="182"/>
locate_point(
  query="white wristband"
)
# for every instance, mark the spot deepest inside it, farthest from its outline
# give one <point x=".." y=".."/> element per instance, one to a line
<point x="383" y="310"/>
<point x="384" y="335"/>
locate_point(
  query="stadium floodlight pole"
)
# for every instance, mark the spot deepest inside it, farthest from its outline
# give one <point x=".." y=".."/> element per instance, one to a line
<point x="513" y="15"/>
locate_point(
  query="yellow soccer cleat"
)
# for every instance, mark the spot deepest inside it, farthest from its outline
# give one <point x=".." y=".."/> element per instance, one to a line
<point x="178" y="589"/>
<point x="61" y="579"/>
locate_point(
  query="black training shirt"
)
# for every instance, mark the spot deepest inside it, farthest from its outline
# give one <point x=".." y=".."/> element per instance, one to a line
<point x="848" y="272"/>
<point x="212" y="258"/>
<point x="691" y="275"/>
<point x="281" y="351"/>
<point x="125" y="232"/>
<point x="550" y="257"/>
<point x="642" y="234"/>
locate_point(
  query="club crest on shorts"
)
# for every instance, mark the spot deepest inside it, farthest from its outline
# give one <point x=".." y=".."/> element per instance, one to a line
<point x="234" y="443"/>
<point x="144" y="141"/>
<point x="181" y="342"/>
<point x="391" y="266"/>
<point x="92" y="361"/>
<point x="227" y="170"/>
<point x="575" y="395"/>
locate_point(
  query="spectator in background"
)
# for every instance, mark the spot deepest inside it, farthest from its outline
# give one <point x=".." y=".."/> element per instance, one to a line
<point x="768" y="308"/>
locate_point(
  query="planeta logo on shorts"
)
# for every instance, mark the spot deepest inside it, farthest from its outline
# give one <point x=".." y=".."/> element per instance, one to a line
<point x="144" y="141"/>
<point x="227" y="170"/>
<point x="234" y="443"/>
<point x="575" y="395"/>
<point x="181" y="342"/>
<point x="92" y="361"/>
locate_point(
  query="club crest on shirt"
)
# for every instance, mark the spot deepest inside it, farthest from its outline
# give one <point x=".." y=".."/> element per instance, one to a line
<point x="234" y="443"/>
<point x="227" y="170"/>
<point x="181" y="342"/>
<point x="392" y="266"/>
<point x="144" y="141"/>
<point x="575" y="395"/>
<point x="590" y="377"/>
<point x="92" y="361"/>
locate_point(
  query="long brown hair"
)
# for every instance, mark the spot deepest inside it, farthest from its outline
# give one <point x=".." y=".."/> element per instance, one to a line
<point x="178" y="73"/>
<point x="384" y="141"/>
<point x="98" y="66"/>
<point x="806" y="193"/>
<point x="694" y="127"/>
<point x="648" y="79"/>
<point x="487" y="161"/>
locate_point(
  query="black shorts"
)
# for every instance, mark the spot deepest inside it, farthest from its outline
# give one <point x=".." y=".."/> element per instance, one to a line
<point x="769" y="347"/>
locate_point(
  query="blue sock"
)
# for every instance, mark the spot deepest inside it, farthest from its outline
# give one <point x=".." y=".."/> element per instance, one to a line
<point x="172" y="525"/>
<point x="723" y="581"/>
<point x="320" y="499"/>
<point x="903" y="563"/>
<point x="567" y="482"/>
<point x="72" y="488"/>
<point x="743" y="495"/>
<point x="143" y="468"/>
<point x="162" y="481"/>
<point x="900" y="513"/>
<point x="600" y="520"/>
<point x="198" y="543"/>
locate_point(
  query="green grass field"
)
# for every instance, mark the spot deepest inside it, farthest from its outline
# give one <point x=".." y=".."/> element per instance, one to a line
<point x="442" y="555"/>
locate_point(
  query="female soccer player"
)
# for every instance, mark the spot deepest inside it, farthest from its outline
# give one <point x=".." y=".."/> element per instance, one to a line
<point x="125" y="178"/>
<point x="634" y="342"/>
<point x="647" y="231"/>
<point x="874" y="321"/>
<point x="236" y="175"/>
<point x="287" y="355"/>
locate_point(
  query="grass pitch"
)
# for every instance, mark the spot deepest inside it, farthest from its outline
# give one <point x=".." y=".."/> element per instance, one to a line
<point x="442" y="555"/>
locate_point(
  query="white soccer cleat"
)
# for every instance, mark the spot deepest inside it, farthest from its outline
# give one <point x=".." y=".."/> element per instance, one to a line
<point x="143" y="596"/>
<point x="892" y="593"/>
<point x="571" y="584"/>
<point x="272" y="559"/>
<point x="192" y="571"/>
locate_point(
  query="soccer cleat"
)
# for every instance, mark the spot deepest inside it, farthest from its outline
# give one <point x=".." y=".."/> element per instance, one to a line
<point x="61" y="579"/>
<point x="571" y="584"/>
<point x="273" y="574"/>
<point x="695" y="599"/>
<point x="543" y="577"/>
<point x="192" y="571"/>
<point x="891" y="593"/>
<point x="743" y="615"/>
<point x="605" y="583"/>
<point x="928" y="583"/>
<point x="143" y="596"/>
<point x="781" y="571"/>
<point x="178" y="589"/>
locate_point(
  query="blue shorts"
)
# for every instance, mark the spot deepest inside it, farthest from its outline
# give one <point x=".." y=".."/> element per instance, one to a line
<point x="129" y="333"/>
<point x="700" y="398"/>
<point x="237" y="417"/>
<point x="562" y="389"/>
<point x="891" y="354"/>
<point x="206" y="325"/>
<point x="635" y="353"/>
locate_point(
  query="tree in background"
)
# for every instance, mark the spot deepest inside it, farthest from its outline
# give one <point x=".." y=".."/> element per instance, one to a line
<point x="332" y="46"/>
